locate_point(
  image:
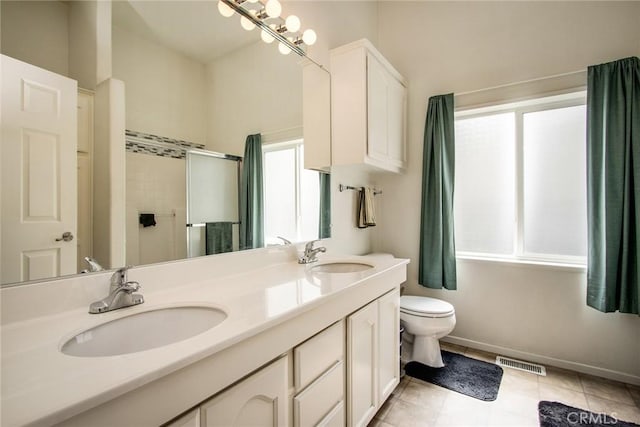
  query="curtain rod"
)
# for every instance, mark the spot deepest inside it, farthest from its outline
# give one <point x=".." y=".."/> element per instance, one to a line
<point x="571" y="73"/>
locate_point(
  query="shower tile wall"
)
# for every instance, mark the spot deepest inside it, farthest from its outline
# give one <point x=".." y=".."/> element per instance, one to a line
<point x="155" y="184"/>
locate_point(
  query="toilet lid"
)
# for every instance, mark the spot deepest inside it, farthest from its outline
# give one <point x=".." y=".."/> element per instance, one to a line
<point x="421" y="306"/>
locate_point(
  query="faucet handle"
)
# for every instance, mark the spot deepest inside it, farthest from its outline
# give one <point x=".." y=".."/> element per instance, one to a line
<point x="131" y="287"/>
<point x="309" y="245"/>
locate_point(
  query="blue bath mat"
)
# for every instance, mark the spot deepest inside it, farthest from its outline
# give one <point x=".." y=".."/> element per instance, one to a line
<point x="462" y="374"/>
<point x="555" y="414"/>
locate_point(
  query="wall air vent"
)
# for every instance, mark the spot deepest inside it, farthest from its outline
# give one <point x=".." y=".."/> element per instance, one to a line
<point x="521" y="366"/>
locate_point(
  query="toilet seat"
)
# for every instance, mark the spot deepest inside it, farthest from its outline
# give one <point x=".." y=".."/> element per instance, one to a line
<point x="425" y="306"/>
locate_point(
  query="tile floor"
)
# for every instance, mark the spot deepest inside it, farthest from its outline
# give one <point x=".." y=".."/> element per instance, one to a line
<point x="421" y="404"/>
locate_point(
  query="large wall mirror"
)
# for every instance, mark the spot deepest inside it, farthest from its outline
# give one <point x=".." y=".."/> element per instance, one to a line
<point x="196" y="86"/>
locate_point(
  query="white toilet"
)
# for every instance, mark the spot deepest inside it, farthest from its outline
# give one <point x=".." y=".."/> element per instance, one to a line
<point x="425" y="321"/>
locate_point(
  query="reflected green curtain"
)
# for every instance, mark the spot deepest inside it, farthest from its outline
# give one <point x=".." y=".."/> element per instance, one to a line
<point x="324" y="222"/>
<point x="437" y="262"/>
<point x="251" y="197"/>
<point x="613" y="185"/>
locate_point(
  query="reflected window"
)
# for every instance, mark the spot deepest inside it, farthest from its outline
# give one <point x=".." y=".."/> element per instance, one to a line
<point x="291" y="194"/>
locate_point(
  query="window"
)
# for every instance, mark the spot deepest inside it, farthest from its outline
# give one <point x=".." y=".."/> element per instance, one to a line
<point x="291" y="194"/>
<point x="520" y="184"/>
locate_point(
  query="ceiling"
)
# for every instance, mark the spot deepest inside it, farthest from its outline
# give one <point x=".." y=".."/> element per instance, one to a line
<point x="194" y="28"/>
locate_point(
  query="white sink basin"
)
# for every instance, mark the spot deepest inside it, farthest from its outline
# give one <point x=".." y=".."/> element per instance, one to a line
<point x="143" y="331"/>
<point x="341" y="267"/>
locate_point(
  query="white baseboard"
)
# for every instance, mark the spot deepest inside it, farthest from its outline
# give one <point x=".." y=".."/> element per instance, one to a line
<point x="544" y="360"/>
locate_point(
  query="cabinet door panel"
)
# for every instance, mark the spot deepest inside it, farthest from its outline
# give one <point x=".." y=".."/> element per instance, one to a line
<point x="396" y="122"/>
<point x="362" y="339"/>
<point x="388" y="345"/>
<point x="259" y="400"/>
<point x="377" y="109"/>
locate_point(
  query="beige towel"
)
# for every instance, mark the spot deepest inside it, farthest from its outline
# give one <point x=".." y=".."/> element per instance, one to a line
<point x="366" y="210"/>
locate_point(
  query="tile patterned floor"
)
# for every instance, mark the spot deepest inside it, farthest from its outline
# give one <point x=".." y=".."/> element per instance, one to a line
<point x="421" y="404"/>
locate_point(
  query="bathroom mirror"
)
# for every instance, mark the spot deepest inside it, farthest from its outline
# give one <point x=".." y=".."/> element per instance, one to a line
<point x="196" y="77"/>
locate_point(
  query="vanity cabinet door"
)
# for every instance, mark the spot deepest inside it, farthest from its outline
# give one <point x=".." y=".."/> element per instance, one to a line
<point x="362" y="365"/>
<point x="259" y="400"/>
<point x="388" y="344"/>
<point x="373" y="357"/>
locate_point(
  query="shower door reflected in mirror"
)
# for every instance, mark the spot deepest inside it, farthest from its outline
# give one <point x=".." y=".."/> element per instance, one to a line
<point x="212" y="203"/>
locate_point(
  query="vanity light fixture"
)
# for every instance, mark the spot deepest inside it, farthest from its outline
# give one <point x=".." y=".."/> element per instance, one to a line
<point x="266" y="16"/>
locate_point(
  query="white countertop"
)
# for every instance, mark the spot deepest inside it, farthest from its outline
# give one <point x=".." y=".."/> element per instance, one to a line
<point x="41" y="385"/>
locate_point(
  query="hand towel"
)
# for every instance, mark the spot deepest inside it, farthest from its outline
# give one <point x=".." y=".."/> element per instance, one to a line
<point x="366" y="216"/>
<point x="218" y="237"/>
<point x="147" y="219"/>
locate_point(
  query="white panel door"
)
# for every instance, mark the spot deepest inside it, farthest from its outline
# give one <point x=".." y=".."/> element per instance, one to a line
<point x="39" y="202"/>
<point x="388" y="344"/>
<point x="362" y="365"/>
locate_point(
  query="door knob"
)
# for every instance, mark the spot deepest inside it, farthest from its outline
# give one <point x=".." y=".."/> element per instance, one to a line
<point x="66" y="236"/>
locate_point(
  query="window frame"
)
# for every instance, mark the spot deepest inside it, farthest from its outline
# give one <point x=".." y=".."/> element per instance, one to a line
<point x="297" y="144"/>
<point x="519" y="108"/>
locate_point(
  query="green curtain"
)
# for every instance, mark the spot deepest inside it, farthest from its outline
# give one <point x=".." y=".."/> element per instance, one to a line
<point x="437" y="262"/>
<point x="613" y="185"/>
<point x="251" y="197"/>
<point x="324" y="223"/>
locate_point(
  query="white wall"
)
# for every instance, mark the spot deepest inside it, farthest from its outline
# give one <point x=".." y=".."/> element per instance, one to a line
<point x="252" y="90"/>
<point x="90" y="57"/>
<point x="37" y="32"/>
<point x="443" y="47"/>
<point x="165" y="90"/>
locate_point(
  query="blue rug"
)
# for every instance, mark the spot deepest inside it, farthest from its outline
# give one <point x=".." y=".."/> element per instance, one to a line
<point x="555" y="414"/>
<point x="462" y="374"/>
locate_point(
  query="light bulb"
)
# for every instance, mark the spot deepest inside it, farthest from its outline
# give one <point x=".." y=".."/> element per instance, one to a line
<point x="292" y="23"/>
<point x="309" y="37"/>
<point x="266" y="37"/>
<point x="224" y="9"/>
<point x="284" y="49"/>
<point x="247" y="24"/>
<point x="273" y="8"/>
<point x="252" y="1"/>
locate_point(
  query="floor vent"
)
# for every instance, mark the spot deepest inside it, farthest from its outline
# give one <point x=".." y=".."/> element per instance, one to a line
<point x="521" y="366"/>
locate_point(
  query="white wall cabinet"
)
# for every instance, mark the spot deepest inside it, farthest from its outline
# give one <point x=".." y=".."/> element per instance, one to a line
<point x="259" y="400"/>
<point x="316" y="116"/>
<point x="373" y="361"/>
<point x="368" y="109"/>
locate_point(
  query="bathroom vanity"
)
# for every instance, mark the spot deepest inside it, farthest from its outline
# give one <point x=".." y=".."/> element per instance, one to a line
<point x="300" y="345"/>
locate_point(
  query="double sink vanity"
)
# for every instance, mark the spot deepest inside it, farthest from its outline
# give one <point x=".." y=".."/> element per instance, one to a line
<point x="241" y="338"/>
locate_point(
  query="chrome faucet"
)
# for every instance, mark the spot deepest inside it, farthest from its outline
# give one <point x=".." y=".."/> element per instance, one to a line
<point x="121" y="294"/>
<point x="284" y="241"/>
<point x="93" y="265"/>
<point x="310" y="253"/>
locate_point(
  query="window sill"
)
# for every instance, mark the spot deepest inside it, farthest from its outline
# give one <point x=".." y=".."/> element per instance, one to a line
<point x="548" y="265"/>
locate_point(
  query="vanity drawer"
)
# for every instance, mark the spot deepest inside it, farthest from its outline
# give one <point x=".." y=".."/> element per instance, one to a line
<point x="335" y="418"/>
<point x="319" y="403"/>
<point x="316" y="355"/>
